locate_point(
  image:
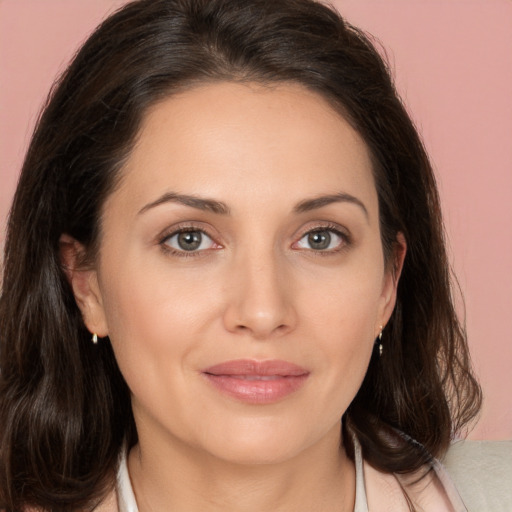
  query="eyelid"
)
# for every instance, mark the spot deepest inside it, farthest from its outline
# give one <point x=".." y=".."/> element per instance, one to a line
<point x="338" y="230"/>
<point x="185" y="227"/>
<point x="182" y="227"/>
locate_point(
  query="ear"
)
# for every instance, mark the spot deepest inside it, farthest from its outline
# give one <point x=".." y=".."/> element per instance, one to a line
<point x="390" y="283"/>
<point x="84" y="283"/>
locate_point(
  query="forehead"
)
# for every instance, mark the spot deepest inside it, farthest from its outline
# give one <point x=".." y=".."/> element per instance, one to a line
<point x="218" y="138"/>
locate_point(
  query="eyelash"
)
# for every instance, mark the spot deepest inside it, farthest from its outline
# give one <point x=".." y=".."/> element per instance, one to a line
<point x="177" y="231"/>
<point x="333" y="228"/>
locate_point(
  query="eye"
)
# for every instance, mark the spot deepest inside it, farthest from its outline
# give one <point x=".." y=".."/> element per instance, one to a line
<point x="188" y="240"/>
<point x="322" y="240"/>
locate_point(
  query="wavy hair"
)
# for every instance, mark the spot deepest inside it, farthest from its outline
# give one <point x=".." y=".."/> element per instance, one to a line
<point x="65" y="409"/>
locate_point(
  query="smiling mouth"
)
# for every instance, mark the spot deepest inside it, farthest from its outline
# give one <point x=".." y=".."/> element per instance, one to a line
<point x="258" y="377"/>
<point x="256" y="382"/>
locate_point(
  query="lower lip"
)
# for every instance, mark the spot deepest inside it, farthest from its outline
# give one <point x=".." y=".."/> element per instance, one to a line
<point x="257" y="391"/>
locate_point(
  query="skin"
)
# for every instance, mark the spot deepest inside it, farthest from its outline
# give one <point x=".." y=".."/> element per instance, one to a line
<point x="255" y="289"/>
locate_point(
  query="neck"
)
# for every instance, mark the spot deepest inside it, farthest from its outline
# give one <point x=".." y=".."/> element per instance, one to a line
<point x="174" y="476"/>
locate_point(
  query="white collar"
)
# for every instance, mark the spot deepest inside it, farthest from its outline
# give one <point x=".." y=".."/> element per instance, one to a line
<point x="125" y="497"/>
<point x="127" y="502"/>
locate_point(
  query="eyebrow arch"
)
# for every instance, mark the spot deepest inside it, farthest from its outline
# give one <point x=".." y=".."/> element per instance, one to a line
<point x="195" y="202"/>
<point x="318" y="202"/>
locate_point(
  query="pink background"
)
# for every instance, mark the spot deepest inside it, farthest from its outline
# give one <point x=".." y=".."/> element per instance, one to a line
<point x="453" y="63"/>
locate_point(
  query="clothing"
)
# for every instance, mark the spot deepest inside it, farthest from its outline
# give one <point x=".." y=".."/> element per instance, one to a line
<point x="482" y="473"/>
<point x="382" y="492"/>
<point x="125" y="496"/>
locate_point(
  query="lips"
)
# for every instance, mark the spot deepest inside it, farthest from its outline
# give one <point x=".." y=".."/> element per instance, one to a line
<point x="256" y="382"/>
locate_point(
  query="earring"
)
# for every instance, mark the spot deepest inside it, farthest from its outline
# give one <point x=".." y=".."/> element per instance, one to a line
<point x="94" y="338"/>
<point x="380" y="341"/>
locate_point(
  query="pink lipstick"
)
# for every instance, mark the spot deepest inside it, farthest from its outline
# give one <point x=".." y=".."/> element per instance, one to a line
<point x="256" y="382"/>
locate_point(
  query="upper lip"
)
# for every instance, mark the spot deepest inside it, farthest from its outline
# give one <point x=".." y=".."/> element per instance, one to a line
<point x="243" y="367"/>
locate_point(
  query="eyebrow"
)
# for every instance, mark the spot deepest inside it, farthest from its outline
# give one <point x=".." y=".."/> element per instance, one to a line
<point x="204" y="204"/>
<point x="318" y="202"/>
<point x="221" y="208"/>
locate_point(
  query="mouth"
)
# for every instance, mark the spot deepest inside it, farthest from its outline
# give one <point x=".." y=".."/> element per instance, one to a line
<point x="256" y="382"/>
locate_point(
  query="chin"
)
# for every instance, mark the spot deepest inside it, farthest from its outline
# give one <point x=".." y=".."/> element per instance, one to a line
<point x="259" y="445"/>
<point x="259" y="455"/>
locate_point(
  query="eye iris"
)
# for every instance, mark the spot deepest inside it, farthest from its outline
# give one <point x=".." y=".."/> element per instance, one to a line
<point x="319" y="240"/>
<point x="189" y="240"/>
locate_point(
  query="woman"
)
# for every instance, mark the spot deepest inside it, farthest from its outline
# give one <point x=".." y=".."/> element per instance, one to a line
<point x="225" y="280"/>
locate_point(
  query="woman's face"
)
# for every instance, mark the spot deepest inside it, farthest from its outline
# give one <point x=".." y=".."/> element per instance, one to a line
<point x="240" y="277"/>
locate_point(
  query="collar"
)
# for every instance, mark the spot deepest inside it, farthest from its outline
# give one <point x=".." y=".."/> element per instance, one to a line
<point x="380" y="484"/>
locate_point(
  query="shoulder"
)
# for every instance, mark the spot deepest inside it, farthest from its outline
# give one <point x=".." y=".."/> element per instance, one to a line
<point x="427" y="491"/>
<point x="482" y="473"/>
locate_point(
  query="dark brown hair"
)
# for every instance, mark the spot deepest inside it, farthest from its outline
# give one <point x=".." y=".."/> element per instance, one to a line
<point x="64" y="407"/>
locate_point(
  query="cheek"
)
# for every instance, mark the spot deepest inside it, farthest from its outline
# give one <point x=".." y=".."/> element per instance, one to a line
<point x="346" y="304"/>
<point x="151" y="346"/>
<point x="342" y="319"/>
<point x="141" y="320"/>
<point x="145" y="298"/>
<point x="158" y="319"/>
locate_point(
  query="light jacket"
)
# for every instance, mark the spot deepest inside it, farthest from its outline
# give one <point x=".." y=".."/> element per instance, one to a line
<point x="475" y="476"/>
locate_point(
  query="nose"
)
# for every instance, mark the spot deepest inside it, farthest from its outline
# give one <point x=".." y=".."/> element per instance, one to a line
<point x="260" y="298"/>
